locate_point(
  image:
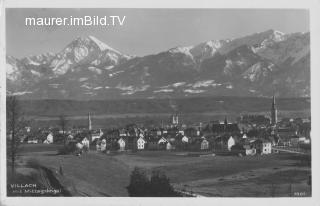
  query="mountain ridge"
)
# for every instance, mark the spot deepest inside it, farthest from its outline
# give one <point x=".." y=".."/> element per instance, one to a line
<point x="261" y="64"/>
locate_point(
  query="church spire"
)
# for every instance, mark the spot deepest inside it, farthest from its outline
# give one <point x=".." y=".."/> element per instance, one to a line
<point x="89" y="122"/>
<point x="175" y="119"/>
<point x="225" y="123"/>
<point x="274" y="117"/>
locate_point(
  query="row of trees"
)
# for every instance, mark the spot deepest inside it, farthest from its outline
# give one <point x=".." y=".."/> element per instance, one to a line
<point x="15" y="126"/>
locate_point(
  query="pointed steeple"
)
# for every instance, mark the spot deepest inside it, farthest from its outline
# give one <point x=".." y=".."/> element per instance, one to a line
<point x="225" y="123"/>
<point x="273" y="101"/>
<point x="200" y="126"/>
<point x="89" y="122"/>
<point x="274" y="117"/>
<point x="175" y="119"/>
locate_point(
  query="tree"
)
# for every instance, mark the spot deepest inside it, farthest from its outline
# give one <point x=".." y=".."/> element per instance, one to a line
<point x="115" y="146"/>
<point x="139" y="183"/>
<point x="158" y="185"/>
<point x="15" y="126"/>
<point x="238" y="149"/>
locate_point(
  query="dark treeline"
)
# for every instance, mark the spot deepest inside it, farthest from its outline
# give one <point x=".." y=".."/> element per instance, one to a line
<point x="185" y="105"/>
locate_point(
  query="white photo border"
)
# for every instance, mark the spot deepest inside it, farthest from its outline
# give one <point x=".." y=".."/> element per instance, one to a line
<point x="314" y="9"/>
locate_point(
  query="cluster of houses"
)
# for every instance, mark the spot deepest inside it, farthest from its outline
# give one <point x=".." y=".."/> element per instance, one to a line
<point x="215" y="136"/>
<point x="250" y="135"/>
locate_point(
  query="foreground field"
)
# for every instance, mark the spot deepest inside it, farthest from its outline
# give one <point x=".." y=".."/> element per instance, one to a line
<point x="96" y="174"/>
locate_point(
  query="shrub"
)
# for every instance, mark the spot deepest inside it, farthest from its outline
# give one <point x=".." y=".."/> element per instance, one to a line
<point x="238" y="149"/>
<point x="160" y="185"/>
<point x="157" y="186"/>
<point x="67" y="149"/>
<point x="139" y="183"/>
<point x="115" y="146"/>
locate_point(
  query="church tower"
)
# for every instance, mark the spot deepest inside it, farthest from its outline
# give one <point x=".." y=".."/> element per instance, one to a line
<point x="225" y="123"/>
<point x="274" y="114"/>
<point x="175" y="120"/>
<point x="89" y="122"/>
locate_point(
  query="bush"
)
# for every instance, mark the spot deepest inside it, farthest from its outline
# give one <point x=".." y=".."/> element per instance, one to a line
<point x="139" y="183"/>
<point x="115" y="146"/>
<point x="67" y="149"/>
<point x="238" y="150"/>
<point x="157" y="186"/>
<point x="160" y="186"/>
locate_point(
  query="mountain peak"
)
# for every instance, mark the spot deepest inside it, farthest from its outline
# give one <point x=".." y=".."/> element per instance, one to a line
<point x="274" y="35"/>
<point x="102" y="45"/>
<point x="89" y="40"/>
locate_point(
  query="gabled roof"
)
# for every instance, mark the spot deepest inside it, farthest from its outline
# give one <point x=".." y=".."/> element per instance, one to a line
<point x="219" y="128"/>
<point x="259" y="141"/>
<point x="163" y="139"/>
<point x="223" y="138"/>
<point x="82" y="138"/>
<point x="204" y="140"/>
<point x="141" y="138"/>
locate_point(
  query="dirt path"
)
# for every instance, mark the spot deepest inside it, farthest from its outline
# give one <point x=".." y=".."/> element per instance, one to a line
<point x="91" y="174"/>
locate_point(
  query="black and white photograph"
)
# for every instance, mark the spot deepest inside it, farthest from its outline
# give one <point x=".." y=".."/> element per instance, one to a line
<point x="183" y="103"/>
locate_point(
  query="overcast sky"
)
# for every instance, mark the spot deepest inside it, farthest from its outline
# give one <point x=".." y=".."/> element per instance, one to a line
<point x="147" y="31"/>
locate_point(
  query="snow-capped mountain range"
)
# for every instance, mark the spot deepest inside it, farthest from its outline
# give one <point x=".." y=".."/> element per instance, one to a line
<point x="261" y="64"/>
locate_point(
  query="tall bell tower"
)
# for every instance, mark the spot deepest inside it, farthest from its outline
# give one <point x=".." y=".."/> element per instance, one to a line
<point x="274" y="112"/>
<point x="175" y="119"/>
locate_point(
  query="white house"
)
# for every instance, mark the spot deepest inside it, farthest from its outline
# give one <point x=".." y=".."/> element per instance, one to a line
<point x="185" y="139"/>
<point x="141" y="135"/>
<point x="169" y="146"/>
<point x="122" y="144"/>
<point x="49" y="139"/>
<point x="307" y="141"/>
<point x="204" y="144"/>
<point x="141" y="143"/>
<point x="304" y="140"/>
<point x="103" y="145"/>
<point x="85" y="142"/>
<point x="198" y="133"/>
<point x="181" y="132"/>
<point x="32" y="141"/>
<point x="122" y="133"/>
<point x="162" y="140"/>
<point x="250" y="150"/>
<point x="70" y="137"/>
<point x="266" y="147"/>
<point x="231" y="142"/>
<point x="28" y="129"/>
<point x="96" y="135"/>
